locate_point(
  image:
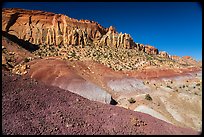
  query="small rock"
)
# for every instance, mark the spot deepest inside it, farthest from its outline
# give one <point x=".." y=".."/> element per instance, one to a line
<point x="69" y="125"/>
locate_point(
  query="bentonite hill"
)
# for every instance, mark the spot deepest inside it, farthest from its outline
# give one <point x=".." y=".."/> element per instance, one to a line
<point x="66" y="76"/>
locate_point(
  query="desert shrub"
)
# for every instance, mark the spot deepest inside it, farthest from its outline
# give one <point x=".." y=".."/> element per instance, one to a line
<point x="184" y="86"/>
<point x="148" y="57"/>
<point x="132" y="100"/>
<point x="196" y="93"/>
<point x="26" y="60"/>
<point x="198" y="84"/>
<point x="148" y="97"/>
<point x="73" y="54"/>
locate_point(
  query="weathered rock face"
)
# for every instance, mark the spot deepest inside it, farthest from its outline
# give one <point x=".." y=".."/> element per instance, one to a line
<point x="187" y="57"/>
<point x="112" y="38"/>
<point x="151" y="50"/>
<point x="43" y="28"/>
<point x="174" y="57"/>
<point x="164" y="54"/>
<point x="46" y="28"/>
<point x="187" y="61"/>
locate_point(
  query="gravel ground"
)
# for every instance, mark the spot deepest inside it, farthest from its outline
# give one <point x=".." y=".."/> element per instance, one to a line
<point x="31" y="108"/>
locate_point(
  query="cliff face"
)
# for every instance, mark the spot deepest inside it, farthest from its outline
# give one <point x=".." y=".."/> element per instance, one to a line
<point x="164" y="54"/>
<point x="42" y="28"/>
<point x="151" y="50"/>
<point x="46" y="28"/>
<point x="118" y="40"/>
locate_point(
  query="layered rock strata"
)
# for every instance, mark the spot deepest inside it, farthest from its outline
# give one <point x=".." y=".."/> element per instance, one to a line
<point x="46" y="28"/>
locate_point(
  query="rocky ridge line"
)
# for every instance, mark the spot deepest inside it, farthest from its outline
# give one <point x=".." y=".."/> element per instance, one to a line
<point x="46" y="28"/>
<point x="50" y="34"/>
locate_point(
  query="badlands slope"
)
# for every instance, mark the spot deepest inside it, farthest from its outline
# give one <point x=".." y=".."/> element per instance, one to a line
<point x="32" y="108"/>
<point x="101" y="67"/>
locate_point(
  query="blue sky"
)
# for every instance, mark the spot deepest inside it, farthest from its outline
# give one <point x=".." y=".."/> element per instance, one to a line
<point x="175" y="27"/>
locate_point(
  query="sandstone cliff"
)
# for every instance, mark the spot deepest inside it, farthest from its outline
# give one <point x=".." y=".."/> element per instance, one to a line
<point x="164" y="54"/>
<point x="151" y="50"/>
<point x="46" y="28"/>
